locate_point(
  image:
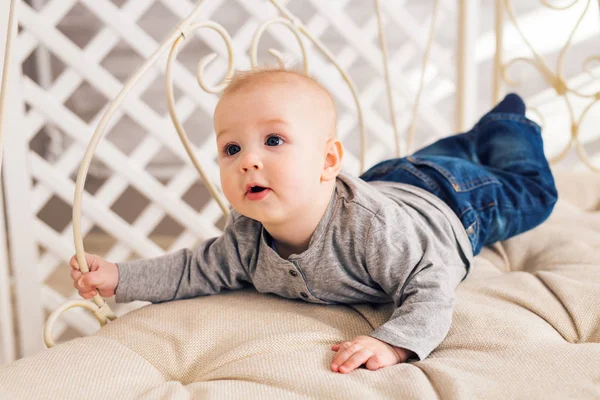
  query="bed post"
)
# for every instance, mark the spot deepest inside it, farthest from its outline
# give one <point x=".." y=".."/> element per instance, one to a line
<point x="7" y="342"/>
<point x="499" y="33"/>
<point x="17" y="183"/>
<point x="466" y="68"/>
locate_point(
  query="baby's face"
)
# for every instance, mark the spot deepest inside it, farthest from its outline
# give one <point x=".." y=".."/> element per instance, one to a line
<point x="271" y="139"/>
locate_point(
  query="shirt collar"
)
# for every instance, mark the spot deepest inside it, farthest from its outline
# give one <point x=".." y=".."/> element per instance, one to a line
<point x="319" y="231"/>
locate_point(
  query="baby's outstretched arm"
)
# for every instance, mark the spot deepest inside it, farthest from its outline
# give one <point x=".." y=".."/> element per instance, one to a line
<point x="406" y="262"/>
<point x="215" y="265"/>
<point x="416" y="327"/>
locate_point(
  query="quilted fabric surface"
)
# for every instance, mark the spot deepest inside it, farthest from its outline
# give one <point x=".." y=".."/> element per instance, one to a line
<point x="526" y="325"/>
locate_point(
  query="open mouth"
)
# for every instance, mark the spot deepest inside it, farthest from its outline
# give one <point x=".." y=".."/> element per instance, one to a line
<point x="257" y="189"/>
<point x="257" y="192"/>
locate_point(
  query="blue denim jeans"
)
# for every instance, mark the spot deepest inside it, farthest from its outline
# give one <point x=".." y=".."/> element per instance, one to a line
<point x="495" y="177"/>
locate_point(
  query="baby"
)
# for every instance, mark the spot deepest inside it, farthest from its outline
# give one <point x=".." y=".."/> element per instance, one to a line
<point x="404" y="232"/>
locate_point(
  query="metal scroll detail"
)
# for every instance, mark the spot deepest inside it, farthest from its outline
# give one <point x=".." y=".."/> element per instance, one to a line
<point x="557" y="79"/>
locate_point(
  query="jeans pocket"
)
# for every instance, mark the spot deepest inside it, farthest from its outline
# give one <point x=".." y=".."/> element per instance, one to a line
<point x="463" y="175"/>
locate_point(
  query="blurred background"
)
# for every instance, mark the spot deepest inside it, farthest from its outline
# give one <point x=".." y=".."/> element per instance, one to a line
<point x="142" y="195"/>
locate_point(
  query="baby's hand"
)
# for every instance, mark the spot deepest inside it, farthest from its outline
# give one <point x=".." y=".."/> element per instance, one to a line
<point x="366" y="349"/>
<point x="103" y="277"/>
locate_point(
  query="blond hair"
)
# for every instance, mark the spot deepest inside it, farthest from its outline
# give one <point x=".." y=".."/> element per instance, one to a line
<point x="254" y="76"/>
<point x="242" y="77"/>
<point x="245" y="77"/>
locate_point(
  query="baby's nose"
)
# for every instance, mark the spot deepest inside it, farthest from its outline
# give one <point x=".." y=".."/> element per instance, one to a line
<point x="250" y="161"/>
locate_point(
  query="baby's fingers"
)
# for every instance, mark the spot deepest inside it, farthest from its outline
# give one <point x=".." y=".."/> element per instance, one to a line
<point x="92" y="261"/>
<point x="85" y="292"/>
<point x="355" y="361"/>
<point x="73" y="262"/>
<point x="75" y="275"/>
<point x="88" y="295"/>
<point x="91" y="280"/>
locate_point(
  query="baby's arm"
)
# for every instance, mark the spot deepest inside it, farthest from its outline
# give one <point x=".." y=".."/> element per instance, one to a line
<point x="423" y="319"/>
<point x="415" y="328"/>
<point x="407" y="266"/>
<point x="214" y="266"/>
<point x="404" y="256"/>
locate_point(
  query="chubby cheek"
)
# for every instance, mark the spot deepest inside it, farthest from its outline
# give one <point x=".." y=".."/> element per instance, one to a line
<point x="228" y="185"/>
<point x="296" y="182"/>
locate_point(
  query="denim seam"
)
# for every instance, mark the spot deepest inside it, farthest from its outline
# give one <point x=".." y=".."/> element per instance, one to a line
<point x="477" y="230"/>
<point x="523" y="209"/>
<point x="459" y="187"/>
<point x="492" y="204"/>
<point x="469" y="208"/>
<point x="507" y="117"/>
<point x="376" y="172"/>
<point x="474" y="228"/>
<point x="428" y="181"/>
<point x="442" y="171"/>
<point x="474" y="225"/>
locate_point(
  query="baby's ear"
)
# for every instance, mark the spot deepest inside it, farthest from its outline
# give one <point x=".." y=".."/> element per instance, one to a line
<point x="334" y="152"/>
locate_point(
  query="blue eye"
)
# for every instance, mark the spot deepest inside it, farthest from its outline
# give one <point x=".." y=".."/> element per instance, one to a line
<point x="274" y="141"/>
<point x="232" y="149"/>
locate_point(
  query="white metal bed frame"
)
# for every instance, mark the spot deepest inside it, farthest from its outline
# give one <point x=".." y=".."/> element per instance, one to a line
<point x="465" y="97"/>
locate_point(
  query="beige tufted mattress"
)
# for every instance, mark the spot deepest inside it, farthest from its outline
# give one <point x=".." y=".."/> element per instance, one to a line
<point x="526" y="325"/>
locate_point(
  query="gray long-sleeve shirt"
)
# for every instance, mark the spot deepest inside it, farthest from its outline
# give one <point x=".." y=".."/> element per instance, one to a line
<point x="377" y="242"/>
